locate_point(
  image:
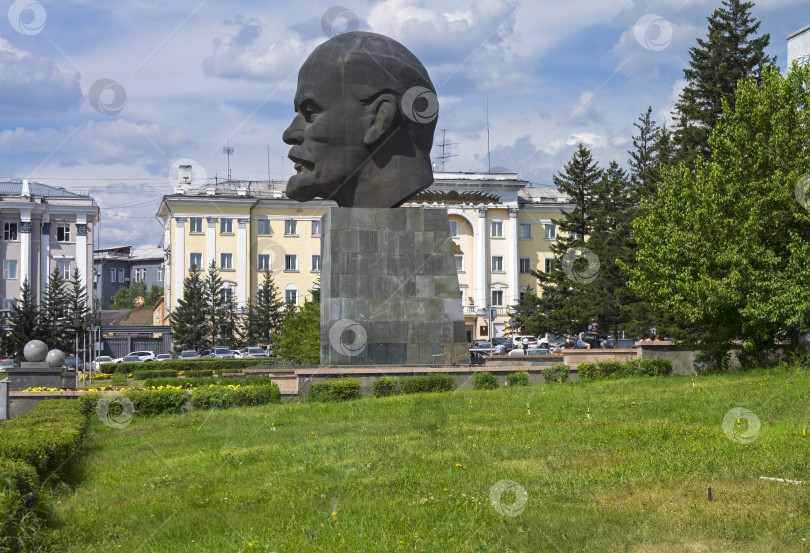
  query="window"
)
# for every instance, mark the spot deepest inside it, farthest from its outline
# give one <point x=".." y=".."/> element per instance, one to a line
<point x="290" y="227"/>
<point x="549" y="264"/>
<point x="551" y="232"/>
<point x="291" y="295"/>
<point x="497" y="297"/>
<point x="459" y="263"/>
<point x="226" y="261"/>
<point x="140" y="275"/>
<point x="291" y="262"/>
<point x="9" y="231"/>
<point x="112" y="275"/>
<point x="161" y="274"/>
<point x="227" y="292"/>
<point x="195" y="225"/>
<point x="525" y="231"/>
<point x="525" y="265"/>
<point x="9" y="305"/>
<point x="316" y="228"/>
<point x="496" y="229"/>
<point x="226" y="226"/>
<point x="454" y="229"/>
<point x="63" y="233"/>
<point x="316" y="263"/>
<point x="264" y="262"/>
<point x="195" y="260"/>
<point x="64" y="268"/>
<point x="263" y="227"/>
<point x="120" y="275"/>
<point x="497" y="263"/>
<point x="9" y="268"/>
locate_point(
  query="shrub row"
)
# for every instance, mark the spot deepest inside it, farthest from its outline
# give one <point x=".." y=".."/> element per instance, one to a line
<point x="187" y="364"/>
<point x="432" y="383"/>
<point x="45" y="436"/>
<point x="386" y="386"/>
<point x="616" y="369"/>
<point x="223" y="397"/>
<point x="153" y="373"/>
<point x="146" y="403"/>
<point x="198" y="382"/>
<point x="334" y="390"/>
<point x="19" y="496"/>
<point x="200" y="373"/>
<point x="556" y="373"/>
<point x="484" y="380"/>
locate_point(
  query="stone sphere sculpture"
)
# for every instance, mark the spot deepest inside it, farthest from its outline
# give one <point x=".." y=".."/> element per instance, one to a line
<point x="55" y="358"/>
<point x="35" y="351"/>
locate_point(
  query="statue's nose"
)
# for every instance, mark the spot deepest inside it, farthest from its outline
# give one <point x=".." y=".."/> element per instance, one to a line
<point x="294" y="133"/>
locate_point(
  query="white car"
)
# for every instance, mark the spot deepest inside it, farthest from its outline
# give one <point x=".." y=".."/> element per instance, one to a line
<point x="142" y="355"/>
<point x="518" y="341"/>
<point x="531" y="351"/>
<point x="99" y="360"/>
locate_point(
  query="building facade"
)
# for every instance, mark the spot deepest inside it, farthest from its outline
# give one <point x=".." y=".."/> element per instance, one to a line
<point x="798" y="46"/>
<point x="43" y="227"/>
<point x="501" y="229"/>
<point x="121" y="266"/>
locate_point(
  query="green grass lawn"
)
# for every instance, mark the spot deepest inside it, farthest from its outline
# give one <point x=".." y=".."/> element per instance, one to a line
<point x="416" y="473"/>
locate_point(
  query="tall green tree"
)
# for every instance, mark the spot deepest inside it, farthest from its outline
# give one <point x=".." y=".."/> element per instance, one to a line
<point x="645" y="173"/>
<point x="188" y="320"/>
<point x="726" y="248"/>
<point x="215" y="304"/>
<point x="78" y="310"/>
<point x="23" y="323"/>
<point x="559" y="307"/>
<point x="125" y="296"/>
<point x="300" y="339"/>
<point x="730" y="52"/>
<point x="265" y="314"/>
<point x="55" y="323"/>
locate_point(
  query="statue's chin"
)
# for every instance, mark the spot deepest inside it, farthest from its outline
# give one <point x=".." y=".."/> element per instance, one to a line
<point x="298" y="191"/>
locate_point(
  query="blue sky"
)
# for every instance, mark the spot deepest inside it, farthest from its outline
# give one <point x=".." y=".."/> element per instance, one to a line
<point x="186" y="77"/>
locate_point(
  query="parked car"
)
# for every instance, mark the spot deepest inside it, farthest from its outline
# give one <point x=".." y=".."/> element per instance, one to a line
<point x="482" y="347"/>
<point x="5" y="363"/>
<point x="626" y="343"/>
<point x="505" y="342"/>
<point x="164" y="357"/>
<point x="189" y="354"/>
<point x="237" y="353"/>
<point x="141" y="355"/>
<point x="477" y="359"/>
<point x="531" y="351"/>
<point x="550" y="341"/>
<point x="99" y="360"/>
<point x="252" y="352"/>
<point x="72" y="363"/>
<point x="132" y="359"/>
<point x="517" y="341"/>
<point x="222" y="353"/>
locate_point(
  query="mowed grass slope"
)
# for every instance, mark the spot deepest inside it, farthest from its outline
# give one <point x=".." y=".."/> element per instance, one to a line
<point x="415" y="473"/>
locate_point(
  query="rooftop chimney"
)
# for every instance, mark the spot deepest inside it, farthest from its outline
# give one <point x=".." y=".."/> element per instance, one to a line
<point x="26" y="192"/>
<point x="184" y="182"/>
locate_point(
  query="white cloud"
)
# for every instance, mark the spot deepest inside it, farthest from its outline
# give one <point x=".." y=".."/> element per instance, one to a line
<point x="34" y="86"/>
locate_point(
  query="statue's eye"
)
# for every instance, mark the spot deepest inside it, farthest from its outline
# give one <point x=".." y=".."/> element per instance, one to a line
<point x="308" y="109"/>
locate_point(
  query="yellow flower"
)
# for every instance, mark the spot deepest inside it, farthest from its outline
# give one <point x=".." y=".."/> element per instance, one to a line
<point x="459" y="465"/>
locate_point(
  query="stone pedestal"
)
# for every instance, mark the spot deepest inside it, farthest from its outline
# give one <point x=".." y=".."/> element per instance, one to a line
<point x="389" y="289"/>
<point x="38" y="375"/>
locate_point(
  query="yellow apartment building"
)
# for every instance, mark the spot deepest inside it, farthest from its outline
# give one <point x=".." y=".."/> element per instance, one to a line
<point x="501" y="227"/>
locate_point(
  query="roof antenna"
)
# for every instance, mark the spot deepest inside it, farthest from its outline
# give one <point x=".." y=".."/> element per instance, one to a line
<point x="227" y="150"/>
<point x="443" y="145"/>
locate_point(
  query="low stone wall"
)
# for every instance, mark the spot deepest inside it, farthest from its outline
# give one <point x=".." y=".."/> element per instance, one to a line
<point x="683" y="361"/>
<point x="523" y="362"/>
<point x="573" y="357"/>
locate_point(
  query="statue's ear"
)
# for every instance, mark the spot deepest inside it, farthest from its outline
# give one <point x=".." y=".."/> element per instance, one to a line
<point x="383" y="114"/>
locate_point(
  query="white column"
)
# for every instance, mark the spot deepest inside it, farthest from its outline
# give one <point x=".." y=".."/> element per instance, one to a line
<point x="81" y="248"/>
<point x="243" y="265"/>
<point x="25" y="246"/>
<point x="45" y="256"/>
<point x="481" y="260"/>
<point x="212" y="242"/>
<point x="514" y="263"/>
<point x="178" y="263"/>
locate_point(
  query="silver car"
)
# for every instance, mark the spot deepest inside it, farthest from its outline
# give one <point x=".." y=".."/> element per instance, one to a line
<point x="255" y="352"/>
<point x="222" y="353"/>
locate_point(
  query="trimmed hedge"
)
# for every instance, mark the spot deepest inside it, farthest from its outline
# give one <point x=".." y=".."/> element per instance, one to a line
<point x="633" y="367"/>
<point x="484" y="380"/>
<point x="223" y="397"/>
<point x="45" y="436"/>
<point x="19" y="495"/>
<point x="188" y="383"/>
<point x="188" y="365"/>
<point x="146" y="403"/>
<point x="432" y="383"/>
<point x="520" y="378"/>
<point x="588" y="371"/>
<point x="386" y="386"/>
<point x="334" y="390"/>
<point x="556" y="373"/>
<point x="157" y="373"/>
<point x="200" y="373"/>
<point x="655" y="367"/>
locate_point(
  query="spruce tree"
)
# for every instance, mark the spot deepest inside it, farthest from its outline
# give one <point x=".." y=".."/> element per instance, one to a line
<point x="558" y="308"/>
<point x="188" y="320"/>
<point x="55" y="322"/>
<point x="731" y="51"/>
<point x="645" y="172"/>
<point x="265" y="314"/>
<point x="76" y="295"/>
<point x="215" y="303"/>
<point x="23" y="323"/>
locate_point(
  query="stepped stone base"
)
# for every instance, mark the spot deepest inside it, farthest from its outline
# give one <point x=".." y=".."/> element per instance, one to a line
<point x="389" y="289"/>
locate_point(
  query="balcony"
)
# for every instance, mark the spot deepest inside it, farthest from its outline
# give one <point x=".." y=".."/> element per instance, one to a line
<point x="472" y="310"/>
